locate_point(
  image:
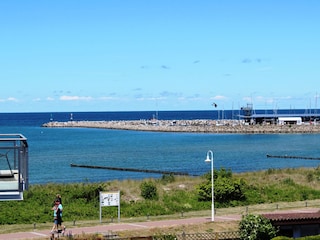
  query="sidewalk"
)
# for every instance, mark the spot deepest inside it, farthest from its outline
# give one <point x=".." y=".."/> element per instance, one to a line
<point x="106" y="228"/>
<point x="114" y="227"/>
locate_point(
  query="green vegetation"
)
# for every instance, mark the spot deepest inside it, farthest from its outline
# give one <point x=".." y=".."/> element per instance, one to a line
<point x="256" y="227"/>
<point x="226" y="188"/>
<point x="149" y="190"/>
<point x="164" y="196"/>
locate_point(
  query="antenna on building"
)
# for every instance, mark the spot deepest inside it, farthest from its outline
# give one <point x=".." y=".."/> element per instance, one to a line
<point x="316" y="104"/>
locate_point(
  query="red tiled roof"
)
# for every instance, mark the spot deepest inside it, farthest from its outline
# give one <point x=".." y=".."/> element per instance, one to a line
<point x="297" y="216"/>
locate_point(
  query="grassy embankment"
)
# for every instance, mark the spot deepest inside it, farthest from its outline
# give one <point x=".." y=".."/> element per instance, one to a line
<point x="177" y="197"/>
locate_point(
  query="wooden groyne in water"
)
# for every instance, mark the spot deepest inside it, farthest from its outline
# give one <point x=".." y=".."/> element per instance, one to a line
<point x="129" y="169"/>
<point x="296" y="157"/>
<point x="192" y="126"/>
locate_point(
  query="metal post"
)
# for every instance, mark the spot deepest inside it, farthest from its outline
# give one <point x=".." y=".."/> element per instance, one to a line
<point x="210" y="159"/>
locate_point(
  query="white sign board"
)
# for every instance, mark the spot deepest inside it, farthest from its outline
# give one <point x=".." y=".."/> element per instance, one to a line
<point x="109" y="199"/>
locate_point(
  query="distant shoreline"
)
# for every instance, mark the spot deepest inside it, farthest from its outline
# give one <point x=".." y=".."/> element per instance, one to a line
<point x="192" y="126"/>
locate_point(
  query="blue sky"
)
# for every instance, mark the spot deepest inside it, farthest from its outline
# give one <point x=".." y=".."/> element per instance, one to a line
<point x="136" y="55"/>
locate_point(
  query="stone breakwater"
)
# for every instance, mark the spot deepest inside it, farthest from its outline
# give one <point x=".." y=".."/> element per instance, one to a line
<point x="193" y="126"/>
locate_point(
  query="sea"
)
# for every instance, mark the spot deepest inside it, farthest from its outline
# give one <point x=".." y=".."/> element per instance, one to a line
<point x="53" y="150"/>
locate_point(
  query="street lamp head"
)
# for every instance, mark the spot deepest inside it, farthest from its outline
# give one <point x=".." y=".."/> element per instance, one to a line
<point x="208" y="159"/>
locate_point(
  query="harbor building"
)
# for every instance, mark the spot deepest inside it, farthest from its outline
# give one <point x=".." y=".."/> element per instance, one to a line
<point x="298" y="117"/>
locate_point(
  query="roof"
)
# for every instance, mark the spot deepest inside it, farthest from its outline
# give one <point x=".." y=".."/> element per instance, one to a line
<point x="293" y="218"/>
<point x="277" y="115"/>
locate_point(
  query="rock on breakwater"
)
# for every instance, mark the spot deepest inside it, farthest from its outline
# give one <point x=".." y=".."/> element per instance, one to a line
<point x="193" y="126"/>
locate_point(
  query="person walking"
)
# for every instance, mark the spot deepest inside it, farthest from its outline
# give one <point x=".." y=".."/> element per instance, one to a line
<point x="61" y="228"/>
<point x="56" y="211"/>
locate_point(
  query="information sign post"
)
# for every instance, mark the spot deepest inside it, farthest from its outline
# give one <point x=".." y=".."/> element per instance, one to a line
<point x="109" y="199"/>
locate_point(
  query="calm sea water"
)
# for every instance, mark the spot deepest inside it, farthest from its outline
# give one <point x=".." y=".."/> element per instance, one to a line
<point x="52" y="150"/>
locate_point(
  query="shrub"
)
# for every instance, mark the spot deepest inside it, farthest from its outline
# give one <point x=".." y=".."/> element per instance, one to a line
<point x="256" y="227"/>
<point x="226" y="188"/>
<point x="310" y="177"/>
<point x="164" y="237"/>
<point x="149" y="190"/>
<point x="167" y="178"/>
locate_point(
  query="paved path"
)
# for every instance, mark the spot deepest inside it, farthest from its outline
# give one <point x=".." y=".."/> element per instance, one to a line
<point x="114" y="227"/>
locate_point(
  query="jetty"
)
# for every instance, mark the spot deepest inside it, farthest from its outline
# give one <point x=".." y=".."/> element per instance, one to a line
<point x="129" y="169"/>
<point x="295" y="157"/>
<point x="191" y="126"/>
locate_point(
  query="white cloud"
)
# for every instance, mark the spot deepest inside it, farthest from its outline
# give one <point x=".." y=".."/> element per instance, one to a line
<point x="219" y="97"/>
<point x="247" y="99"/>
<point x="107" y="98"/>
<point x="9" y="99"/>
<point x="75" y="98"/>
<point x="141" y="98"/>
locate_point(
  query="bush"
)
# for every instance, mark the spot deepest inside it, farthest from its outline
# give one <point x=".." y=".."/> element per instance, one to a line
<point x="149" y="190"/>
<point x="167" y="178"/>
<point x="164" y="237"/>
<point x="226" y="188"/>
<point x="256" y="227"/>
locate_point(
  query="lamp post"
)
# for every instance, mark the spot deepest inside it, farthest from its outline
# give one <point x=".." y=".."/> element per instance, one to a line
<point x="210" y="159"/>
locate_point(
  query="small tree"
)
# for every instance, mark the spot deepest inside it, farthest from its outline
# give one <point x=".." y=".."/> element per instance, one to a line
<point x="149" y="190"/>
<point x="256" y="227"/>
<point x="226" y="188"/>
